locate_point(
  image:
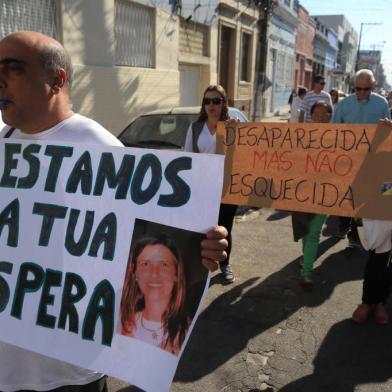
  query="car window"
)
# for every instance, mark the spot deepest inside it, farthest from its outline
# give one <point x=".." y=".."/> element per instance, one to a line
<point x="235" y="113"/>
<point x="158" y="129"/>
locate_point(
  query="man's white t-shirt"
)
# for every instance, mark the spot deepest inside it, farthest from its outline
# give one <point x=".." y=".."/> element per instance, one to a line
<point x="310" y="99"/>
<point x="21" y="369"/>
<point x="2" y="125"/>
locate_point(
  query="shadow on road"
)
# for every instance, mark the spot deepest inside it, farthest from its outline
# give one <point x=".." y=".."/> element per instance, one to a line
<point x="247" y="310"/>
<point x="278" y="215"/>
<point x="350" y="355"/>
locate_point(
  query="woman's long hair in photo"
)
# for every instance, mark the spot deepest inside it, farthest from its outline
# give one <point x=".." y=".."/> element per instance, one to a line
<point x="225" y="109"/>
<point x="175" y="321"/>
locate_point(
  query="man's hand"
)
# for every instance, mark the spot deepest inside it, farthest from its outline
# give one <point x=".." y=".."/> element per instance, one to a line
<point x="213" y="247"/>
<point x="385" y="121"/>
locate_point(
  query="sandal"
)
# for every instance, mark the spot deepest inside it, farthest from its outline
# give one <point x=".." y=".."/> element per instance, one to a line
<point x="380" y="314"/>
<point x="361" y="313"/>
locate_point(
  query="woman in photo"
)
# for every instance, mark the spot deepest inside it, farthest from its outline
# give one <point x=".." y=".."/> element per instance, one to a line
<point x="153" y="298"/>
<point x="201" y="137"/>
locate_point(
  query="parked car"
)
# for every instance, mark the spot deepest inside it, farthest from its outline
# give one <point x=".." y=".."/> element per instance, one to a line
<point x="165" y="128"/>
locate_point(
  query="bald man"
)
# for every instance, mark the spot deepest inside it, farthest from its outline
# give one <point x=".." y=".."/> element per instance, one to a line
<point x="35" y="79"/>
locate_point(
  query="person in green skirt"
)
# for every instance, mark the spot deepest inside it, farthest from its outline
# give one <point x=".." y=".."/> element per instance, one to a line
<point x="307" y="226"/>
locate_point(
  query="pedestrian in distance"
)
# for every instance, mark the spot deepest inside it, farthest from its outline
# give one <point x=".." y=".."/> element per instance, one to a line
<point x="296" y="104"/>
<point x="313" y="96"/>
<point x="35" y="83"/>
<point x="293" y="94"/>
<point x="201" y="138"/>
<point x="334" y="93"/>
<point x="307" y="226"/>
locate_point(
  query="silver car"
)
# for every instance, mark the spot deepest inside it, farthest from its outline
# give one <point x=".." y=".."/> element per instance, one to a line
<point x="165" y="128"/>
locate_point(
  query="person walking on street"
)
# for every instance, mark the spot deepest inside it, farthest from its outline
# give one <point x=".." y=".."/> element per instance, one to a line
<point x="307" y="225"/>
<point x="313" y="96"/>
<point x="363" y="107"/>
<point x="296" y="104"/>
<point x="35" y="83"/>
<point x="366" y="107"/>
<point x="377" y="282"/>
<point x="201" y="138"/>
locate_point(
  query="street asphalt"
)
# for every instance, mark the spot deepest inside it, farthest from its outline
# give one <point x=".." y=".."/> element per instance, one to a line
<point x="264" y="333"/>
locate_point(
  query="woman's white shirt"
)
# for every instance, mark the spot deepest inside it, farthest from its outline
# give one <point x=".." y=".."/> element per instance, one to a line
<point x="295" y="108"/>
<point x="206" y="141"/>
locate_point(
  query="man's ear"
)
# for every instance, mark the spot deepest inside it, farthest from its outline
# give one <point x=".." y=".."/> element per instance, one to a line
<point x="59" y="81"/>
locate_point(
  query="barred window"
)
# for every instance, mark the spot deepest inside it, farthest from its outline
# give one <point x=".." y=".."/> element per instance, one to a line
<point x="134" y="31"/>
<point x="31" y="15"/>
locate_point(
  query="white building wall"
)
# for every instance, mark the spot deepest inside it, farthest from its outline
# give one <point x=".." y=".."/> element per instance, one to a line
<point x="115" y="95"/>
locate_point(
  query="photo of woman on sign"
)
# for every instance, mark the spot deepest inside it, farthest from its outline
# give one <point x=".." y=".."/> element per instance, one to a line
<point x="153" y="297"/>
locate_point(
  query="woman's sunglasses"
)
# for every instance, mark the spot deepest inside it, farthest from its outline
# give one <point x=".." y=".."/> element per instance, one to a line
<point x="214" y="101"/>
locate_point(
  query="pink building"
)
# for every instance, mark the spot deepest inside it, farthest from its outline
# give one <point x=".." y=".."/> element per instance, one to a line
<point x="304" y="49"/>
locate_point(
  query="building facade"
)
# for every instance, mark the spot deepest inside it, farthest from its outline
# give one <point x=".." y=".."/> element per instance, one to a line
<point x="326" y="53"/>
<point x="320" y="45"/>
<point x="131" y="57"/>
<point x="281" y="56"/>
<point x="237" y="43"/>
<point x="347" y="49"/>
<point x="331" y="57"/>
<point x="306" y="31"/>
<point x="370" y="59"/>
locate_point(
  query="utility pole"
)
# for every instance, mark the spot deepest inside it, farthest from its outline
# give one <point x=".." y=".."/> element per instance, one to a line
<point x="265" y="8"/>
<point x="359" y="41"/>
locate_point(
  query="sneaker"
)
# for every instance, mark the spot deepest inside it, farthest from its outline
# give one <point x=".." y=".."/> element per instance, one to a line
<point x="227" y="273"/>
<point x="341" y="234"/>
<point x="307" y="283"/>
<point x="361" y="313"/>
<point x="352" y="244"/>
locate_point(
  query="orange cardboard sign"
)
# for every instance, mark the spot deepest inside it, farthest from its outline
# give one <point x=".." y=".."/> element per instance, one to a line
<point x="335" y="169"/>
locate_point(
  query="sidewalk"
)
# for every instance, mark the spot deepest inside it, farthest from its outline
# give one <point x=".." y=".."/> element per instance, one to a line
<point x="284" y="117"/>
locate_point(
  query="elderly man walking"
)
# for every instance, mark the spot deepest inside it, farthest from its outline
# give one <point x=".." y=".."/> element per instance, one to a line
<point x="363" y="107"/>
<point x="366" y="107"/>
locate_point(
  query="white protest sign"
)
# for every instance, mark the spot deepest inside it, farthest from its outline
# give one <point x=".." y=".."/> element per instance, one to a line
<point x="71" y="216"/>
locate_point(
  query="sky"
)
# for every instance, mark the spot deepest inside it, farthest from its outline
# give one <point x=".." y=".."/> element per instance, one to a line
<point x="377" y="37"/>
